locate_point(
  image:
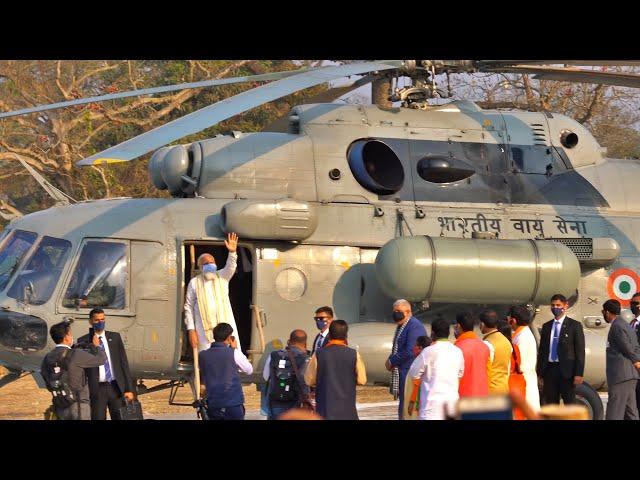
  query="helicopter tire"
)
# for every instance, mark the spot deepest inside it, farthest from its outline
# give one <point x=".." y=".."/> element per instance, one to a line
<point x="586" y="395"/>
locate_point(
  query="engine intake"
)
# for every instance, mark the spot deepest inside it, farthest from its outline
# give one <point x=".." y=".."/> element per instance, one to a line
<point x="376" y="166"/>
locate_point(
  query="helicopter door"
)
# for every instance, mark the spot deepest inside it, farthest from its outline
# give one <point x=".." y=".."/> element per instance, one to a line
<point x="240" y="287"/>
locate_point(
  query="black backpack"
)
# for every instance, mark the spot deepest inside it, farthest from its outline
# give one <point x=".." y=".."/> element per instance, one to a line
<point x="56" y="378"/>
<point x="284" y="384"/>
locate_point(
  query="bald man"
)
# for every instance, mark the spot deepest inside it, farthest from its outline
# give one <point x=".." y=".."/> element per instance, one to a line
<point x="284" y="371"/>
<point x="207" y="303"/>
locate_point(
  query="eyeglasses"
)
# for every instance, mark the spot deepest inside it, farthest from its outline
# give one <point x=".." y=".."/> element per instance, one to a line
<point x="320" y="318"/>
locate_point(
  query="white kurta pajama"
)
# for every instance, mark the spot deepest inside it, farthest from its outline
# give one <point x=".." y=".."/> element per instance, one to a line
<point x="528" y="357"/>
<point x="217" y="292"/>
<point x="439" y="367"/>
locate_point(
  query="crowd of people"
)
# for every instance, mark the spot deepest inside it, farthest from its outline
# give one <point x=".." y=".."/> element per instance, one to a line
<point x="428" y="373"/>
<point x="89" y="377"/>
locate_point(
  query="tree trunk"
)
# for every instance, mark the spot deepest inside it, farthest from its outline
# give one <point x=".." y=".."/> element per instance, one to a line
<point x="380" y="92"/>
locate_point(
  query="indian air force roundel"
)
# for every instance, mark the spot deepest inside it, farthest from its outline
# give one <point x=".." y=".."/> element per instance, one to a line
<point x="622" y="284"/>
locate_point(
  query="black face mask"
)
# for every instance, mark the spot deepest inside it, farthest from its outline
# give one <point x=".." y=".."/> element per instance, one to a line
<point x="397" y="316"/>
<point x="635" y="309"/>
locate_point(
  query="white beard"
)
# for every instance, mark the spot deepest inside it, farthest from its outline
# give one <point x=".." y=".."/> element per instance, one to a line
<point x="209" y="276"/>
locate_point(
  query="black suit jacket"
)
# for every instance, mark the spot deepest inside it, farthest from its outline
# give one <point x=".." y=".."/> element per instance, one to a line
<point x="324" y="342"/>
<point x="570" y="348"/>
<point x="119" y="364"/>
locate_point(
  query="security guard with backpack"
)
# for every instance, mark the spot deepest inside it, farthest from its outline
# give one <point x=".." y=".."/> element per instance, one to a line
<point x="284" y="372"/>
<point x="63" y="371"/>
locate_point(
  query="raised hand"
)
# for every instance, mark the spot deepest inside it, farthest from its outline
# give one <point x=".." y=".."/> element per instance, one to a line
<point x="231" y="242"/>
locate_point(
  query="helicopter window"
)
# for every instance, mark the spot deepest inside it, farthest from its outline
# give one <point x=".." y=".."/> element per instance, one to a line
<point x="376" y="166"/>
<point x="100" y="277"/>
<point x="37" y="280"/>
<point x="12" y="251"/>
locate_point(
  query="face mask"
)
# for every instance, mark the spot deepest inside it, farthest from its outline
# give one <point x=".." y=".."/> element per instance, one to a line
<point x="557" y="311"/>
<point x="321" y="324"/>
<point x="397" y="316"/>
<point x="99" y="326"/>
<point x="635" y="309"/>
<point x="209" y="268"/>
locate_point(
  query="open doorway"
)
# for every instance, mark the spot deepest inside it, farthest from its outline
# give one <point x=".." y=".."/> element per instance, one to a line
<point x="240" y="288"/>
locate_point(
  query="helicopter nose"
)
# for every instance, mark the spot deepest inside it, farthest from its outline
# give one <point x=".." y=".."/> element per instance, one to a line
<point x="22" y="332"/>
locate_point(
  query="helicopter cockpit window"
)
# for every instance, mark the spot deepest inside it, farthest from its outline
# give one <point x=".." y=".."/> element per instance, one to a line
<point x="100" y="277"/>
<point x="12" y="251"/>
<point x="38" y="279"/>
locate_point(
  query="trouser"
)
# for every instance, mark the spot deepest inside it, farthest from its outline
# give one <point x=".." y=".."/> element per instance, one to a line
<point x="622" y="401"/>
<point x="638" y="395"/>
<point x="226" y="413"/>
<point x="109" y="395"/>
<point x="77" y="411"/>
<point x="403" y="378"/>
<point x="556" y="386"/>
<point x="277" y="409"/>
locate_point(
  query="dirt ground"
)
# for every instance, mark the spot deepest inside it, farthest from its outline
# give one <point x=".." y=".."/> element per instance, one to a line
<point x="23" y="399"/>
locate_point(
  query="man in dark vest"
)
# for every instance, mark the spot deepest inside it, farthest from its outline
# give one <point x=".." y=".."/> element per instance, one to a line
<point x="286" y="388"/>
<point x="335" y="370"/>
<point x="219" y="366"/>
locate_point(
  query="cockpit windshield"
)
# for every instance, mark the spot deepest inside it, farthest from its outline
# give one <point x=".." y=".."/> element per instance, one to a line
<point x="100" y="277"/>
<point x="38" y="279"/>
<point x="12" y="250"/>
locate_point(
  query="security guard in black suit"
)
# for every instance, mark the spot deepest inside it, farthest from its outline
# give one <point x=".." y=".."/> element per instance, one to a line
<point x="110" y="383"/>
<point x="561" y="355"/>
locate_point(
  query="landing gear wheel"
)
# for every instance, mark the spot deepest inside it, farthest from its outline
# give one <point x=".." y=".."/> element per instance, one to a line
<point x="587" y="396"/>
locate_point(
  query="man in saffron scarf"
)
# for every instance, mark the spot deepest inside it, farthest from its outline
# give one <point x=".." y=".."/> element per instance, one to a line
<point x="207" y="303"/>
<point x="519" y="318"/>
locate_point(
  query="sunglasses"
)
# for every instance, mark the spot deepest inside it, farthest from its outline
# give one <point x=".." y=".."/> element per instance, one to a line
<point x="320" y="318"/>
<point x="634" y="304"/>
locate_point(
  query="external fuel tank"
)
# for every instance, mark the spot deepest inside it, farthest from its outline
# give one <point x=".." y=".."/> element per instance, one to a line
<point x="460" y="270"/>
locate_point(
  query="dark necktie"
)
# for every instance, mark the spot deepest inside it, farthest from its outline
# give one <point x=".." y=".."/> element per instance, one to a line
<point x="107" y="368"/>
<point x="554" y="343"/>
<point x="319" y="340"/>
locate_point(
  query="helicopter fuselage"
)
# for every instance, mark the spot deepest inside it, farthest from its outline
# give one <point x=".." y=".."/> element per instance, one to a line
<point x="355" y="178"/>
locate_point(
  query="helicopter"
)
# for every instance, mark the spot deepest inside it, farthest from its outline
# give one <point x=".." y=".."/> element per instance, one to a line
<point x="450" y="206"/>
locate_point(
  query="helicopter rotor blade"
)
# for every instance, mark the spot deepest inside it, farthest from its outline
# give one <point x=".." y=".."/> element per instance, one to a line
<point x="155" y="90"/>
<point x="213" y="114"/>
<point x="580" y="63"/>
<point x="577" y="75"/>
<point x="328" y="96"/>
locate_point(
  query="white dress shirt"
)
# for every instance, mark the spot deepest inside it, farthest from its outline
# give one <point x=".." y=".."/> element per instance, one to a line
<point x="241" y="361"/>
<point x="102" y="377"/>
<point x="635" y="322"/>
<point x="553" y="327"/>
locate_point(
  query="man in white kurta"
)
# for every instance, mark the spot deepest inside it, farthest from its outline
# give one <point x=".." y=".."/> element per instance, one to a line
<point x="439" y="368"/>
<point x="210" y="291"/>
<point x="519" y="319"/>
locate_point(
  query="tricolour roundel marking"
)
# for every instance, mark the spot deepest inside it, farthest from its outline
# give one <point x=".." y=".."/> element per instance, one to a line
<point x="622" y="284"/>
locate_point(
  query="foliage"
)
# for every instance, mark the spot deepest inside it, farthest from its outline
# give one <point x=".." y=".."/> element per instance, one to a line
<point x="53" y="141"/>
